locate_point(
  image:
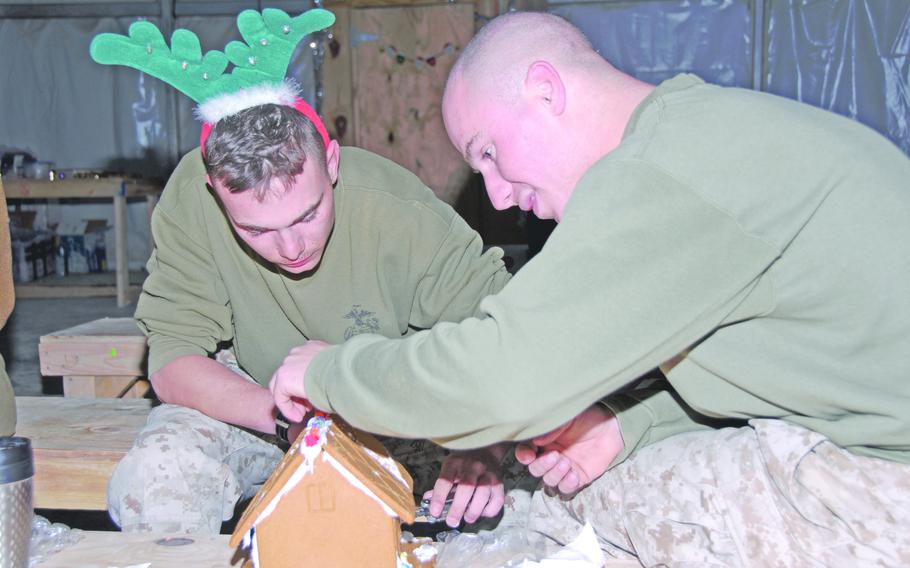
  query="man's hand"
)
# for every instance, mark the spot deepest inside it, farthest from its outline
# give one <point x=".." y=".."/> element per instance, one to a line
<point x="575" y="454"/>
<point x="478" y="488"/>
<point x="287" y="382"/>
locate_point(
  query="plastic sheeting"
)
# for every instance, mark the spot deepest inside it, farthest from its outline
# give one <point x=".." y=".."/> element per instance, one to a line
<point x="657" y="39"/>
<point x="848" y="56"/>
<point x="60" y="106"/>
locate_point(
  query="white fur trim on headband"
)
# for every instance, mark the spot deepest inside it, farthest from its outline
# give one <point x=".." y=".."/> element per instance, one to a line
<point x="216" y="108"/>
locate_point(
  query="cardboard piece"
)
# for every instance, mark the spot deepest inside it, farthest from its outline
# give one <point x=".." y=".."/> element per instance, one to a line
<point x="336" y="499"/>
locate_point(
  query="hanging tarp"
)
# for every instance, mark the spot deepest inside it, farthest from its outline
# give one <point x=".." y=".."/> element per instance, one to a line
<point x="848" y="56"/>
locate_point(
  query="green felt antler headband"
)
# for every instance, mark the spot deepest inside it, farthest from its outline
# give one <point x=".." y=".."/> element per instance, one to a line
<point x="259" y="65"/>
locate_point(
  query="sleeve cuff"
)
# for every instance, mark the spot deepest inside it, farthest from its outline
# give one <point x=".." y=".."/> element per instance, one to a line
<point x="313" y="380"/>
<point x="634" y="419"/>
<point x="163" y="352"/>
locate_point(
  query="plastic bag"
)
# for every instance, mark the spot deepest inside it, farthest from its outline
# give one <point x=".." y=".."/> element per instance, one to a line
<point x="49" y="538"/>
<point x="486" y="549"/>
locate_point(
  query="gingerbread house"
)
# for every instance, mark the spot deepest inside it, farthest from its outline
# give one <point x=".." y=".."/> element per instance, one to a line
<point x="336" y="499"/>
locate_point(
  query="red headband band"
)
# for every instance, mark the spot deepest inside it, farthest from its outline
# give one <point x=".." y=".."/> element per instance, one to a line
<point x="299" y="104"/>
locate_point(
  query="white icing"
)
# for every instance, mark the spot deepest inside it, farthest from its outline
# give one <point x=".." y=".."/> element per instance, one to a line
<point x="425" y="552"/>
<point x="309" y="454"/>
<point x="389" y="465"/>
<point x="249" y="541"/>
<point x="357" y="483"/>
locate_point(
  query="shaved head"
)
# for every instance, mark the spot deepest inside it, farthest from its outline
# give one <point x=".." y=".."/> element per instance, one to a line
<point x="531" y="106"/>
<point x="500" y="53"/>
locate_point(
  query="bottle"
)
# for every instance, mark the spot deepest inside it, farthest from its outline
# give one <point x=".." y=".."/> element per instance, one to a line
<point x="16" y="472"/>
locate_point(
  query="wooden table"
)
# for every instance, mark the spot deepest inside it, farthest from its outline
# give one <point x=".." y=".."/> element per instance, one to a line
<point x="99" y="549"/>
<point x="76" y="443"/>
<point x="117" y="188"/>
<point x="104" y="358"/>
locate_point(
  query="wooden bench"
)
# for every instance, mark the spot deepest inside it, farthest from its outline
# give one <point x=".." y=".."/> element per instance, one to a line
<point x="104" y="549"/>
<point x="98" y="359"/>
<point x="76" y="445"/>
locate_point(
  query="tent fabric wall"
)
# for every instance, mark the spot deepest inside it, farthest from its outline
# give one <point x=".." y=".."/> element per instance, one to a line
<point x="848" y="56"/>
<point x="60" y="106"/>
<point x="657" y="39"/>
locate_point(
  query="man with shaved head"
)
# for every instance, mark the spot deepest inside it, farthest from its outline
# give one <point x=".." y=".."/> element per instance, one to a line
<point x="755" y="249"/>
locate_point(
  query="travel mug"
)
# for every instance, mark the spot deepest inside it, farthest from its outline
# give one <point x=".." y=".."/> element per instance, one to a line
<point x="16" y="512"/>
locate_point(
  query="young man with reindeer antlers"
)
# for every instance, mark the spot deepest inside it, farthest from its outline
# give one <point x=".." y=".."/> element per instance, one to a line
<point x="269" y="236"/>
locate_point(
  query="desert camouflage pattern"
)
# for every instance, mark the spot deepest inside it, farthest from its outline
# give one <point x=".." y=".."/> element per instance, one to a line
<point x="187" y="472"/>
<point x="769" y="494"/>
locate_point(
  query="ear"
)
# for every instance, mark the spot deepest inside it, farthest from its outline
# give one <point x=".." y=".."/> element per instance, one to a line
<point x="544" y="84"/>
<point x="332" y="155"/>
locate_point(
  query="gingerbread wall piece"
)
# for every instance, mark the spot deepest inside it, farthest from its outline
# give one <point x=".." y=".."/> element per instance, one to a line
<point x="336" y="499"/>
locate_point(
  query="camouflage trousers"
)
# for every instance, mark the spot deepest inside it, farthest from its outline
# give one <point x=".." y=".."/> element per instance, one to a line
<point x="770" y="494"/>
<point x="186" y="472"/>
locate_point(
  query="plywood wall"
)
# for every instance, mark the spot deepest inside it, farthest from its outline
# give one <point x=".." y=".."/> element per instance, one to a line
<point x="397" y="68"/>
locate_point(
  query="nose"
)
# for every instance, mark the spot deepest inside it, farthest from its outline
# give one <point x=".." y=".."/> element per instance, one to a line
<point x="289" y="246"/>
<point x="499" y="191"/>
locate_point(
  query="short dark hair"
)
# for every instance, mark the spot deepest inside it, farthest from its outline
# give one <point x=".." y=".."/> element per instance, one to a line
<point x="248" y="149"/>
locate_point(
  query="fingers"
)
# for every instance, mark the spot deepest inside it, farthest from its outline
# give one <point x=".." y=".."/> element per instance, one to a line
<point x="525" y="453"/>
<point x="478" y="503"/>
<point x="549" y="437"/>
<point x="555" y="474"/>
<point x="570" y="483"/>
<point x="439" y="495"/>
<point x="293" y="409"/>
<point x="497" y="501"/>
<point x="544" y="463"/>
<point x="460" y="501"/>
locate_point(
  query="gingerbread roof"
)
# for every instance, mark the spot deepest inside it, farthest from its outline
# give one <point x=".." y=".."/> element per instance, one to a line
<point x="357" y="456"/>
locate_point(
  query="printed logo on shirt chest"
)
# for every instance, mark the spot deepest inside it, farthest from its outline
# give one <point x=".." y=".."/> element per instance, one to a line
<point x="364" y="322"/>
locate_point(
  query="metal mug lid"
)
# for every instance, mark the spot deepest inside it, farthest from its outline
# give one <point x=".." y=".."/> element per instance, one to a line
<point x="15" y="459"/>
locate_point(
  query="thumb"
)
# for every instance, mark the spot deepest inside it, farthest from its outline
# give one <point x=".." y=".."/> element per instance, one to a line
<point x="525" y="453"/>
<point x="548" y="438"/>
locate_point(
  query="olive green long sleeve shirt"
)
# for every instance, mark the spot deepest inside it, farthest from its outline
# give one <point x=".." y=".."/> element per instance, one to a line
<point x="769" y="237"/>
<point x="398" y="260"/>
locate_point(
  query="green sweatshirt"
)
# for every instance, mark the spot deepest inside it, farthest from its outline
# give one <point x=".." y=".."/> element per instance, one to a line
<point x="398" y="260"/>
<point x="770" y="237"/>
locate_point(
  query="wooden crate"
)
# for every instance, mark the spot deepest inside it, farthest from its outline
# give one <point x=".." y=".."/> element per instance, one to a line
<point x="76" y="445"/>
<point x="101" y="358"/>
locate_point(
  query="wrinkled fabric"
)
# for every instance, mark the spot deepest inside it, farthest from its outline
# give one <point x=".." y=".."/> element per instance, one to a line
<point x="769" y="494"/>
<point x="851" y="57"/>
<point x="186" y="472"/>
